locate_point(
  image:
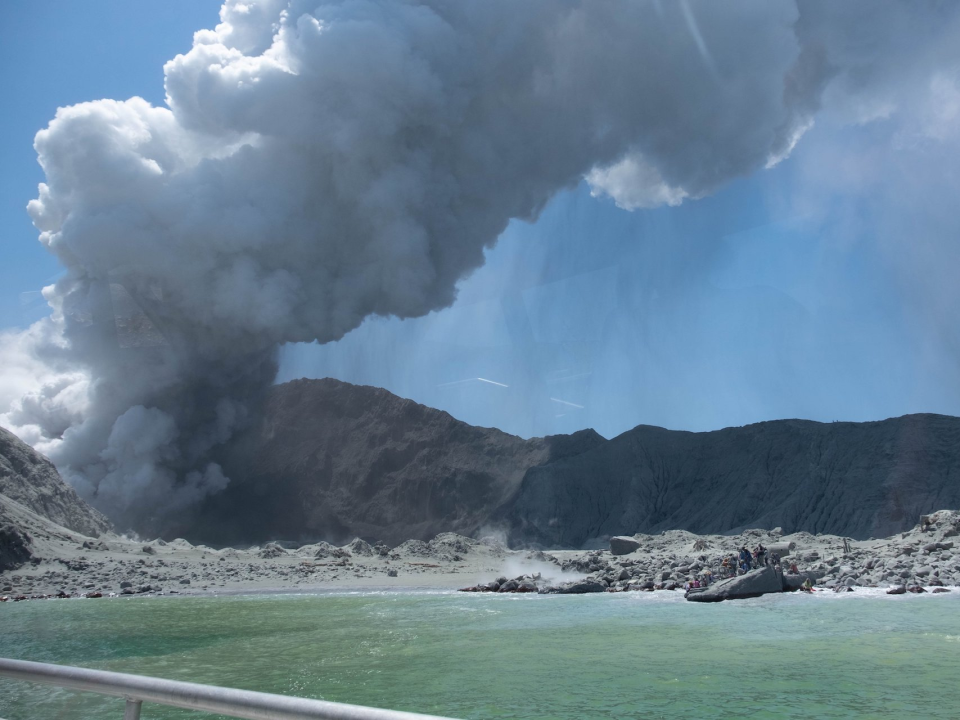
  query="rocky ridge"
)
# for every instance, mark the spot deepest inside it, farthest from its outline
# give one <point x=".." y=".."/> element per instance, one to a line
<point x="334" y="461"/>
<point x="30" y="480"/>
<point x="859" y="480"/>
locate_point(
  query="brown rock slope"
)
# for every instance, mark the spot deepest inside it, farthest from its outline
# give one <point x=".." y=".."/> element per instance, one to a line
<point x="334" y="460"/>
<point x="31" y="481"/>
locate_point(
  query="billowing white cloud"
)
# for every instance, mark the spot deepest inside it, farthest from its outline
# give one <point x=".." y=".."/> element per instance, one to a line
<point x="321" y="162"/>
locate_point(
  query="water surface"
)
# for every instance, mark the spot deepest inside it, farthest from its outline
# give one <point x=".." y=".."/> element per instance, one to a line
<point x="632" y="655"/>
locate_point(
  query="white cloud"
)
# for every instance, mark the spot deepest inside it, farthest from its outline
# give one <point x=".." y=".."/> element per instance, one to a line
<point x="633" y="184"/>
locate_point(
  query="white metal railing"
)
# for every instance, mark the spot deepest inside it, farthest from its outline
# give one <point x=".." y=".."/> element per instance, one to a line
<point x="137" y="689"/>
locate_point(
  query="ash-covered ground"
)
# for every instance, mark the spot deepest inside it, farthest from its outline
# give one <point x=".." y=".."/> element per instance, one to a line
<point x="66" y="563"/>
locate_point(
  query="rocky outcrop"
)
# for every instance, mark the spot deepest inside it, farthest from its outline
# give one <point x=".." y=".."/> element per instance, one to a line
<point x="28" y="478"/>
<point x="755" y="583"/>
<point x="271" y="550"/>
<point x="749" y="585"/>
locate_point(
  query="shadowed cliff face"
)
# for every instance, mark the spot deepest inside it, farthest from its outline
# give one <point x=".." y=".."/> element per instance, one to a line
<point x="333" y="460"/>
<point x="855" y="479"/>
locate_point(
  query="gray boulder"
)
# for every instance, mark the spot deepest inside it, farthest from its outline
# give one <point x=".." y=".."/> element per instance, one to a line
<point x="324" y="550"/>
<point x="272" y="550"/>
<point x="581" y="587"/>
<point x="360" y="547"/>
<point x="753" y="584"/>
<point x="781" y="548"/>
<point x="14" y="547"/>
<point x="795" y="581"/>
<point x="623" y="545"/>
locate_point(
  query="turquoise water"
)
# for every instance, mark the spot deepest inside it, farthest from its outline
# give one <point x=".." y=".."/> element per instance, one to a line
<point x="631" y="655"/>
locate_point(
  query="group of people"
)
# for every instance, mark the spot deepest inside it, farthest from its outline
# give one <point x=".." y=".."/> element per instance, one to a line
<point x="745" y="560"/>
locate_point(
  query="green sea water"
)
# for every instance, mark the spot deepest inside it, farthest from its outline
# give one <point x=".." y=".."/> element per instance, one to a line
<point x="631" y="655"/>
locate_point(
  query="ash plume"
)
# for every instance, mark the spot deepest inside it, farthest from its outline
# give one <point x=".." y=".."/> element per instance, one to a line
<point x="320" y="162"/>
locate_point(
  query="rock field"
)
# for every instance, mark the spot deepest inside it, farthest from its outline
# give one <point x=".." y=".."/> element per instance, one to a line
<point x="62" y="563"/>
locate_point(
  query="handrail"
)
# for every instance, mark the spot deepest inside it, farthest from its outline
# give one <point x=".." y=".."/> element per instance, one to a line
<point x="193" y="696"/>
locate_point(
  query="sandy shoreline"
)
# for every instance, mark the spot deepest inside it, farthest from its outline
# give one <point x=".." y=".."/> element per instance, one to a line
<point x="69" y="564"/>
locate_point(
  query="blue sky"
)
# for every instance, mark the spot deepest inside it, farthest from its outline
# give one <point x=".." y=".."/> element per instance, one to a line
<point x="57" y="53"/>
<point x="723" y="311"/>
<point x="818" y="289"/>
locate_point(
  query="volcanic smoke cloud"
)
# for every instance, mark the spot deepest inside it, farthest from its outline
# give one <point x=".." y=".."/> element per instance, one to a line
<point x="319" y="162"/>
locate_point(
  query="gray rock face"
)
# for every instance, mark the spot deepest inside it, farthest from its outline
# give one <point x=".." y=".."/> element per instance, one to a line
<point x="334" y="460"/>
<point x="857" y="480"/>
<point x="28" y="478"/>
<point x="752" y="584"/>
<point x="622" y="545"/>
